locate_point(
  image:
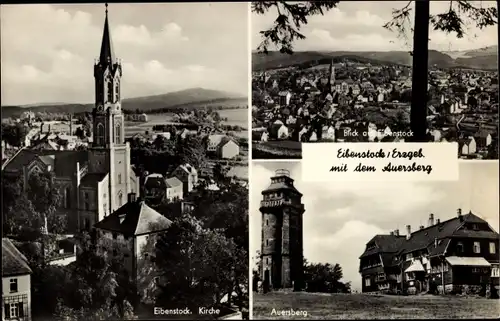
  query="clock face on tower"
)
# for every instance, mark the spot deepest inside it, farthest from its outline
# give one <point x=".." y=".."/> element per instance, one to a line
<point x="100" y="107"/>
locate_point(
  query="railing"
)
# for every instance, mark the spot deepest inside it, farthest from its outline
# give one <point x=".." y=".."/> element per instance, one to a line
<point x="282" y="172"/>
<point x="280" y="202"/>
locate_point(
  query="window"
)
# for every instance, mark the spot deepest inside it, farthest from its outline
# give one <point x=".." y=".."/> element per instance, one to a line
<point x="118" y="133"/>
<point x="493" y="249"/>
<point x="495" y="272"/>
<point x="14" y="310"/>
<point x="100" y="134"/>
<point x="110" y="90"/>
<point x="267" y="222"/>
<point x="86" y="203"/>
<point x="120" y="201"/>
<point x="13" y="285"/>
<point x="117" y="91"/>
<point x="368" y="282"/>
<point x="119" y="178"/>
<point x="477" y="247"/>
<point x="460" y="247"/>
<point x="475" y="270"/>
<point x="267" y="242"/>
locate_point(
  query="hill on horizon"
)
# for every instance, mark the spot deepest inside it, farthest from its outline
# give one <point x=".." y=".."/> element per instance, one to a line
<point x="484" y="58"/>
<point x="187" y="98"/>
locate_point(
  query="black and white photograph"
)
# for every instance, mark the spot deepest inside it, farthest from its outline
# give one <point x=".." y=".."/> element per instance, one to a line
<point x="125" y="161"/>
<point x="375" y="250"/>
<point x="374" y="71"/>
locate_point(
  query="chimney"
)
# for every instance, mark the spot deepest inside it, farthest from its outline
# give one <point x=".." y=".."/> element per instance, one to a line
<point x="396" y="232"/>
<point x="459" y="212"/>
<point x="408" y="232"/>
<point x="431" y="219"/>
<point x="438" y="221"/>
<point x="392" y="233"/>
<point x="131" y="197"/>
<point x="422" y="227"/>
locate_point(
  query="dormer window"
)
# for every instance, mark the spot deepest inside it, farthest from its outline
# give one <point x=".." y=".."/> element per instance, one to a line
<point x="122" y="218"/>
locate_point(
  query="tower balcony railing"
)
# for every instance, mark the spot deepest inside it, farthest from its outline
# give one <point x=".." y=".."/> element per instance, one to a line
<point x="280" y="202"/>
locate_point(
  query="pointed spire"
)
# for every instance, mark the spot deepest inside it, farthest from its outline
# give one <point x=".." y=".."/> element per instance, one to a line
<point x="107" y="55"/>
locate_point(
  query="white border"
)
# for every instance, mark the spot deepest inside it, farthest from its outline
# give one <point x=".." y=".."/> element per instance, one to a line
<point x="249" y="130"/>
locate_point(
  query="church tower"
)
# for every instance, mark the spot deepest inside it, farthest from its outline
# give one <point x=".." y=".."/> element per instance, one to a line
<point x="282" y="245"/>
<point x="109" y="152"/>
<point x="331" y="80"/>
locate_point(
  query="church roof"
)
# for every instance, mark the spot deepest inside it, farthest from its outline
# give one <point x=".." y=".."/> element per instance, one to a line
<point x="13" y="261"/>
<point x="107" y="44"/>
<point x="138" y="219"/>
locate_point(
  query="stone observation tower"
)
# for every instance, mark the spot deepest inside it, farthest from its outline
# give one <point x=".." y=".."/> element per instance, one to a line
<point x="281" y="251"/>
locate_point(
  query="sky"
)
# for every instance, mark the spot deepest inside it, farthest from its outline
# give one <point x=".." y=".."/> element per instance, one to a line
<point x="340" y="219"/>
<point x="357" y="26"/>
<point x="48" y="51"/>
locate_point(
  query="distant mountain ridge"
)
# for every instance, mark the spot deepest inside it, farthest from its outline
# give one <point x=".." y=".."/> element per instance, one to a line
<point x="188" y="98"/>
<point x="483" y="58"/>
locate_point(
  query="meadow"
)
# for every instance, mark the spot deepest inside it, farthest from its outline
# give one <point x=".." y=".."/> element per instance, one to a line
<point x="324" y="306"/>
<point x="235" y="117"/>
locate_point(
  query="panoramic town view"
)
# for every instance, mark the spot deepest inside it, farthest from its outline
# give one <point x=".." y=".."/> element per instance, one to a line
<point x="327" y="92"/>
<point x="125" y="182"/>
<point x="374" y="251"/>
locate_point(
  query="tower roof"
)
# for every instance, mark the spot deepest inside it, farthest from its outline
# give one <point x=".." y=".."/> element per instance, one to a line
<point x="286" y="184"/>
<point x="107" y="52"/>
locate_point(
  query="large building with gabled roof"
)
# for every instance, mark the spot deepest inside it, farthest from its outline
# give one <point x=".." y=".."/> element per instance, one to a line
<point x="459" y="255"/>
<point x="93" y="182"/>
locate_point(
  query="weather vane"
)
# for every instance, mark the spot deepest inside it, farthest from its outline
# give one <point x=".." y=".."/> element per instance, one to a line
<point x="106" y="4"/>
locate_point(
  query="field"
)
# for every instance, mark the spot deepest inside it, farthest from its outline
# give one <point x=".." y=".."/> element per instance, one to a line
<point x="237" y="117"/>
<point x="277" y="149"/>
<point x="363" y="306"/>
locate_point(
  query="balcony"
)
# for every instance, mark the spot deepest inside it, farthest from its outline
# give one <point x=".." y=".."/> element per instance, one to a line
<point x="274" y="203"/>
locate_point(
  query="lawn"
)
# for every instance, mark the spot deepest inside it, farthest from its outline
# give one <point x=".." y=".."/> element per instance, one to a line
<point x="364" y="306"/>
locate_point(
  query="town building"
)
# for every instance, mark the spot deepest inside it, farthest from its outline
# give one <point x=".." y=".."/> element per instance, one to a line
<point x="282" y="240"/>
<point x="127" y="230"/>
<point x="16" y="283"/>
<point x="188" y="175"/>
<point x="459" y="255"/>
<point x="94" y="182"/>
<point x="222" y="146"/>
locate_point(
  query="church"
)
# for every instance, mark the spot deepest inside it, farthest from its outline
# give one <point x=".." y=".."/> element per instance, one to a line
<point x="97" y="181"/>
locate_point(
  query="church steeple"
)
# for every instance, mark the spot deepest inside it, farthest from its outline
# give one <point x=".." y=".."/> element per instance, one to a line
<point x="107" y="55"/>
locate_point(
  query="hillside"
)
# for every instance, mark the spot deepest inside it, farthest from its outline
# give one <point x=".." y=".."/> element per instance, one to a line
<point x="276" y="60"/>
<point x="189" y="98"/>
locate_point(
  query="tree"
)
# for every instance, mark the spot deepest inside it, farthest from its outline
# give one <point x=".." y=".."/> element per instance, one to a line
<point x="14" y="134"/>
<point x="96" y="291"/>
<point x="460" y="13"/>
<point x="325" y="278"/>
<point x="44" y="193"/>
<point x="199" y="265"/>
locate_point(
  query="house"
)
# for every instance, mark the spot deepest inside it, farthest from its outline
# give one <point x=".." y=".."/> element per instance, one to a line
<point x="284" y="98"/>
<point x="278" y="131"/>
<point x="127" y="230"/>
<point x="467" y="146"/>
<point x="188" y="175"/>
<point x="222" y="146"/>
<point x="329" y="133"/>
<point x="16" y="283"/>
<point x="173" y="189"/>
<point x="483" y="139"/>
<point x="458" y="255"/>
<point x="155" y="188"/>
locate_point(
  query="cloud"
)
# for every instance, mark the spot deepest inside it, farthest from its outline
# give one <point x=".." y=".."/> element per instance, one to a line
<point x="341" y="218"/>
<point x="49" y="50"/>
<point x="358" y="26"/>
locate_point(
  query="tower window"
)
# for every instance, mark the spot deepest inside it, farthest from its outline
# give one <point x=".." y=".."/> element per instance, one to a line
<point x="100" y="134"/>
<point x="117" y="91"/>
<point x="86" y="203"/>
<point x="118" y="131"/>
<point x="477" y="247"/>
<point x="267" y="242"/>
<point x="120" y="201"/>
<point x="267" y="222"/>
<point x="110" y="90"/>
<point x="119" y="178"/>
